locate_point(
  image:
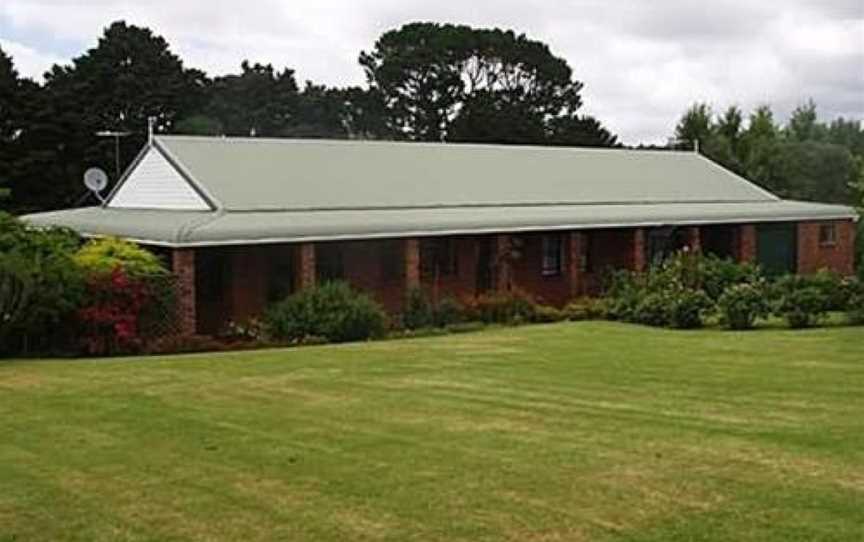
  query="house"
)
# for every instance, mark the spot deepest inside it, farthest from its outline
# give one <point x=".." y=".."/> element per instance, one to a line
<point x="245" y="222"/>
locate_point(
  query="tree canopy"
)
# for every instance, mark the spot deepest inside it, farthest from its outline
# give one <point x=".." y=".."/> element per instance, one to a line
<point x="803" y="159"/>
<point x="444" y="82"/>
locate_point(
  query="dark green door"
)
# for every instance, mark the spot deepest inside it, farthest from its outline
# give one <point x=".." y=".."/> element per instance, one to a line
<point x="777" y="248"/>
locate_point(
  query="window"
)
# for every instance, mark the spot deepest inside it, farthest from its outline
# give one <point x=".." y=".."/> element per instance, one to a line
<point x="392" y="258"/>
<point x="328" y="262"/>
<point x="827" y="235"/>
<point x="552" y="255"/>
<point x="586" y="259"/>
<point x="280" y="281"/>
<point x="438" y="256"/>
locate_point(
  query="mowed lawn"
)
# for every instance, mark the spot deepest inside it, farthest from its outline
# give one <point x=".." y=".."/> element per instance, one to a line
<point x="581" y="431"/>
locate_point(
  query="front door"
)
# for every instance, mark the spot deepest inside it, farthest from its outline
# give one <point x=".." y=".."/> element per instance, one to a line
<point x="777" y="248"/>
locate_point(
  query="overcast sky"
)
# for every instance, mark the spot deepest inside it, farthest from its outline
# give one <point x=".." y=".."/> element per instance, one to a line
<point x="642" y="62"/>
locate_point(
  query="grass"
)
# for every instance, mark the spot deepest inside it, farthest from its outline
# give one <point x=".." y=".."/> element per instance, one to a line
<point x="589" y="431"/>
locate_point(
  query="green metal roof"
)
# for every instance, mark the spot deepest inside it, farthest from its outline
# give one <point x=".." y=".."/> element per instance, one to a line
<point x="267" y="191"/>
<point x="190" y="228"/>
<point x="289" y="174"/>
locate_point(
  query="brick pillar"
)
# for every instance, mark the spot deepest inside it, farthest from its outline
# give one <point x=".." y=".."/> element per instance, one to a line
<point x="694" y="238"/>
<point x="640" y="260"/>
<point x="575" y="250"/>
<point x="183" y="266"/>
<point x="747" y="243"/>
<point x="503" y="253"/>
<point x="306" y="269"/>
<point x="411" y="263"/>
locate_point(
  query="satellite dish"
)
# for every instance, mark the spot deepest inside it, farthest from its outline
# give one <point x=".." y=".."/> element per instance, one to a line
<point x="96" y="180"/>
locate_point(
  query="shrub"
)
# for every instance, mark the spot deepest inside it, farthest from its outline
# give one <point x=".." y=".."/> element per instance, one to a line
<point x="101" y="256"/>
<point x="501" y="308"/>
<point x="855" y="309"/>
<point x="741" y="304"/>
<point x="466" y="327"/>
<point x="417" y="313"/>
<point x="587" y="308"/>
<point x="717" y="275"/>
<point x="43" y="258"/>
<point x="130" y="296"/>
<point x="686" y="307"/>
<point x="110" y="318"/>
<point x="448" y="311"/>
<point x="802" y="306"/>
<point x="652" y="310"/>
<point x="332" y="310"/>
<point x="545" y="314"/>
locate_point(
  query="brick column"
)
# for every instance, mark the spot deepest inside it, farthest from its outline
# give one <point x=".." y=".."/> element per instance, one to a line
<point x="575" y="250"/>
<point x="411" y="261"/>
<point x="694" y="238"/>
<point x="640" y="260"/>
<point x="306" y="269"/>
<point x="503" y="253"/>
<point x="183" y="267"/>
<point x="747" y="243"/>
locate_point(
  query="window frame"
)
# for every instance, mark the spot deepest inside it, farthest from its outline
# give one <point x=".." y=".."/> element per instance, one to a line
<point x="552" y="256"/>
<point x="827" y="235"/>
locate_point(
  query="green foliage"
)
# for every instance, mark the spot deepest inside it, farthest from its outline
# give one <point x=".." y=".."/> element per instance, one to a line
<point x="805" y="159"/>
<point x="741" y="304"/>
<point x="801" y="307"/>
<point x="686" y="308"/>
<point x="42" y="259"/>
<point x="544" y="314"/>
<point x="855" y="307"/>
<point x="420" y="312"/>
<point x="444" y="82"/>
<point x="447" y="312"/>
<point x="103" y="255"/>
<point x="513" y="307"/>
<point x="678" y="292"/>
<point x="332" y="310"/>
<point x="586" y="308"/>
<point x="16" y="288"/>
<point x="803" y="299"/>
<point x="417" y="312"/>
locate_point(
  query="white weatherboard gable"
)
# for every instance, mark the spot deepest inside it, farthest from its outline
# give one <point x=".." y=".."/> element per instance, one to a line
<point x="156" y="184"/>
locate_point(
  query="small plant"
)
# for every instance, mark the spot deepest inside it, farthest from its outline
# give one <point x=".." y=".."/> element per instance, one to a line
<point x="545" y="314"/>
<point x="103" y="255"/>
<point x="801" y="307"/>
<point x="741" y="304"/>
<point x="250" y="331"/>
<point x="686" y="308"/>
<point x="651" y="310"/>
<point x="418" y="312"/>
<point x="502" y="308"/>
<point x="587" y="308"/>
<point x="448" y="311"/>
<point x="333" y="311"/>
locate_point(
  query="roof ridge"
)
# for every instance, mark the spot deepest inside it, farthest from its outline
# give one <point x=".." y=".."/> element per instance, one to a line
<point x="491" y="205"/>
<point x="434" y="144"/>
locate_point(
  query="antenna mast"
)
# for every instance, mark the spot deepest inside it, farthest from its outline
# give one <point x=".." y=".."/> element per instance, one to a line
<point x="151" y="123"/>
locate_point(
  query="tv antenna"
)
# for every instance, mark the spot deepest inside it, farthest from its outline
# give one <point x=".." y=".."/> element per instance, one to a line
<point x="95" y="179"/>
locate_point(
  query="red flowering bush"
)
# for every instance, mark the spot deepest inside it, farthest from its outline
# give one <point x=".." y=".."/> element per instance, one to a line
<point x="110" y="318"/>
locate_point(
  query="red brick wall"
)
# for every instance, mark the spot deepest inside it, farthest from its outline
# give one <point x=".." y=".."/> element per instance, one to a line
<point x="838" y="257"/>
<point x="528" y="276"/>
<point x="607" y="249"/>
<point x="247" y="277"/>
<point x="183" y="267"/>
<point x="364" y="267"/>
<point x="463" y="283"/>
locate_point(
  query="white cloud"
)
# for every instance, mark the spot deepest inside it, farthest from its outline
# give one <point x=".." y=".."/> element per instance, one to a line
<point x="642" y="62"/>
<point x="28" y="61"/>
